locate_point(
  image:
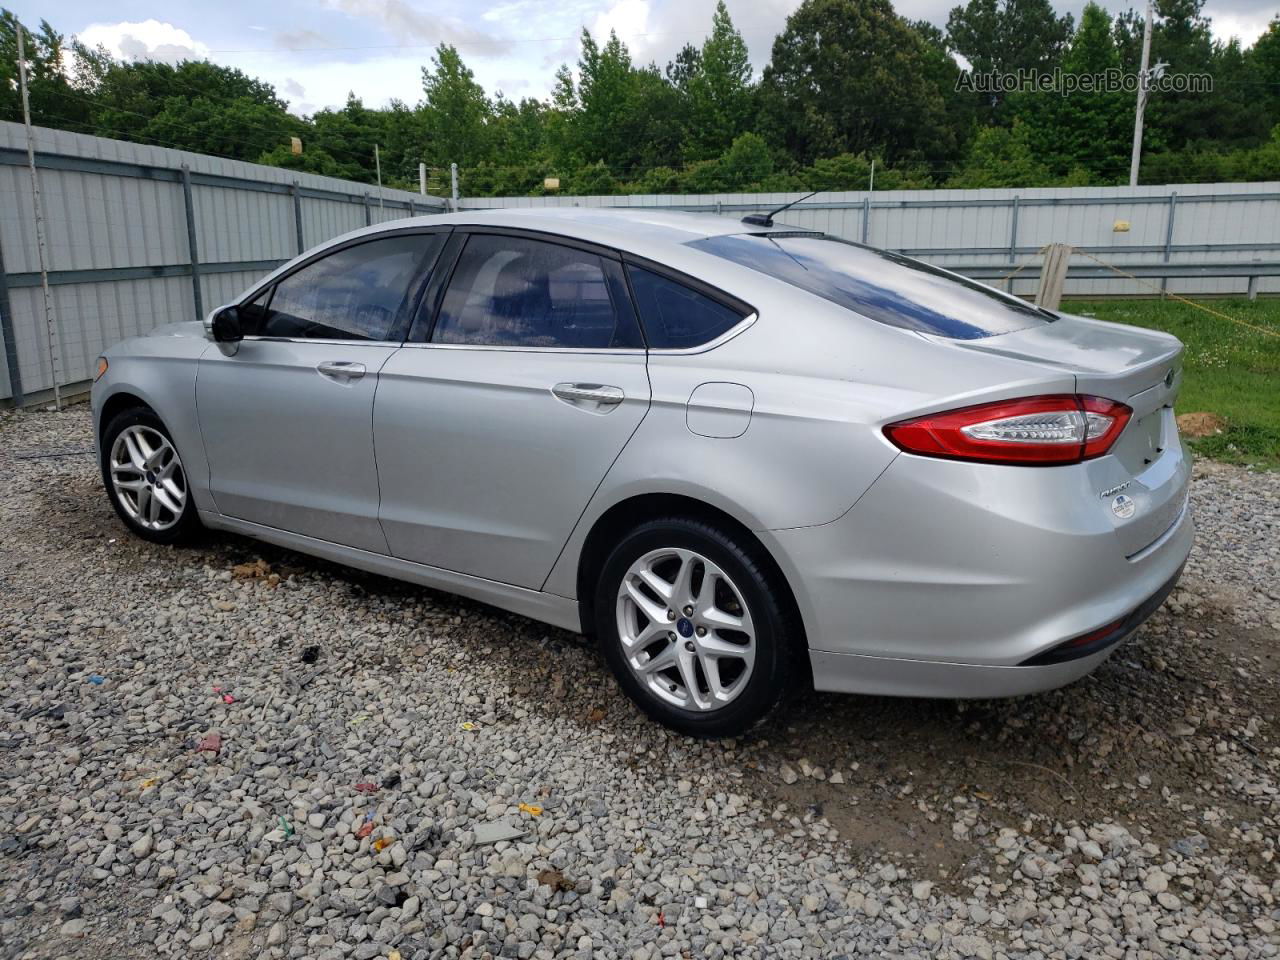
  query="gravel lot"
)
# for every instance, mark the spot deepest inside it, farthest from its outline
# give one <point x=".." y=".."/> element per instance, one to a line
<point x="337" y="808"/>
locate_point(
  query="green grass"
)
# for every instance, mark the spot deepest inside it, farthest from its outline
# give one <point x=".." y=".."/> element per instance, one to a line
<point x="1230" y="369"/>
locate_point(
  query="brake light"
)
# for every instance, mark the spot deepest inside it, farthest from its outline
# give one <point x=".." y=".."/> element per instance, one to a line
<point x="1064" y="428"/>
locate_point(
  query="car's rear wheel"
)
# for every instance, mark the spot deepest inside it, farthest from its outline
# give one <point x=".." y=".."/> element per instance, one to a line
<point x="145" y="479"/>
<point x="694" y="627"/>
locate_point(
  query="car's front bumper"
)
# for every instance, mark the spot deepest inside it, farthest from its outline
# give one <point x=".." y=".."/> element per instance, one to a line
<point x="958" y="580"/>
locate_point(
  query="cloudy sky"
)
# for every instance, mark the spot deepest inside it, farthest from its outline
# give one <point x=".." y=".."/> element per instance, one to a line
<point x="315" y="51"/>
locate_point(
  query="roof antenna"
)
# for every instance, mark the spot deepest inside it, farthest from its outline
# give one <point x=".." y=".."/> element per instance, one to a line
<point x="766" y="219"/>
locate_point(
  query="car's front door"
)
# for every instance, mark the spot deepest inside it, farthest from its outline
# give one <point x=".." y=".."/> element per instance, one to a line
<point x="287" y="419"/>
<point x="494" y="431"/>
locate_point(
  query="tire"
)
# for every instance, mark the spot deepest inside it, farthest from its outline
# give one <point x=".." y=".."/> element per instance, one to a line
<point x="726" y="579"/>
<point x="145" y="479"/>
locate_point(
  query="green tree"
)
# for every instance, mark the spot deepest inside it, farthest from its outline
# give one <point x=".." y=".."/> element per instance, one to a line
<point x="1002" y="157"/>
<point x="716" y="84"/>
<point x="617" y="114"/>
<point x="193" y="105"/>
<point x="1181" y="38"/>
<point x="1087" y="128"/>
<point x="1264" y="59"/>
<point x="455" y="112"/>
<point x="54" y="101"/>
<point x="848" y="76"/>
<point x="1008" y="35"/>
<point x="1005" y="36"/>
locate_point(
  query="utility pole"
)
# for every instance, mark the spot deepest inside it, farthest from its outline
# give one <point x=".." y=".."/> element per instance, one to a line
<point x="422" y="179"/>
<point x="377" y="162"/>
<point x="453" y="191"/>
<point x="55" y="363"/>
<point x="871" y="185"/>
<point x="1142" y="99"/>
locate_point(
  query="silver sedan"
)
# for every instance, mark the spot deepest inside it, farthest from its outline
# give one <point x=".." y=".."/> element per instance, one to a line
<point x="747" y="457"/>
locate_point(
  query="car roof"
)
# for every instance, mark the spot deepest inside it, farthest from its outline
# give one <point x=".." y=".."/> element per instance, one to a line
<point x="658" y="235"/>
<point x="641" y="230"/>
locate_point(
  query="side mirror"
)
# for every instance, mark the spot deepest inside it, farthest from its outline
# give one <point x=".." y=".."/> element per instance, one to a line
<point x="222" y="326"/>
<point x="226" y="325"/>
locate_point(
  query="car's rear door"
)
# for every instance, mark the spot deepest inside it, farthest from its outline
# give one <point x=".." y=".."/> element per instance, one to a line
<point x="287" y="419"/>
<point x="497" y="421"/>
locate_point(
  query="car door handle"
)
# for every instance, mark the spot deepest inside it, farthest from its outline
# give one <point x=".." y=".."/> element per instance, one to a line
<point x="341" y="370"/>
<point x="589" y="395"/>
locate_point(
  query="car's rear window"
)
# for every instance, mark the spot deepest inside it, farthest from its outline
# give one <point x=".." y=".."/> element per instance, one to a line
<point x="884" y="286"/>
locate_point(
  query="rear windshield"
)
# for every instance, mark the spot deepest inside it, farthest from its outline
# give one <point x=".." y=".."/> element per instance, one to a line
<point x="884" y="286"/>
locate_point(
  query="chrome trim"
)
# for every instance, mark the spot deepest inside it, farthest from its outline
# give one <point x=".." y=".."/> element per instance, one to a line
<point x="741" y="327"/>
<point x="516" y="348"/>
<point x="334" y="340"/>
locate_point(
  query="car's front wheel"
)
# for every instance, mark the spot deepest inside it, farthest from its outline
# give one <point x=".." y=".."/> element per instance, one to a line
<point x="145" y="478"/>
<point x="694" y="627"/>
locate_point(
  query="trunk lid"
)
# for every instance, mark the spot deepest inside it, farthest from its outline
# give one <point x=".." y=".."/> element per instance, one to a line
<point x="1139" y="367"/>
<point x="1107" y="359"/>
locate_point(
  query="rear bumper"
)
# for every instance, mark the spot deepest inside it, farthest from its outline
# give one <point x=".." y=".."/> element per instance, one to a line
<point x="960" y="580"/>
<point x="889" y="676"/>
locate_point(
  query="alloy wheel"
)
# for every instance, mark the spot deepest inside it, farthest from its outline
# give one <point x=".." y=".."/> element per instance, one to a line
<point x="686" y="632"/>
<point x="147" y="477"/>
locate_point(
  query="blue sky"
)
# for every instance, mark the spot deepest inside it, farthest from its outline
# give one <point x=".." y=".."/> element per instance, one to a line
<point x="316" y="52"/>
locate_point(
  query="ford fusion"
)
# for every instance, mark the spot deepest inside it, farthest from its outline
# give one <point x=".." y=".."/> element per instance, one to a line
<point x="746" y="457"/>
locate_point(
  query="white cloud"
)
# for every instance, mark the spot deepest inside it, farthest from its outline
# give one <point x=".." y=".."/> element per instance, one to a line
<point x="1248" y="27"/>
<point x="628" y="18"/>
<point x="144" y="40"/>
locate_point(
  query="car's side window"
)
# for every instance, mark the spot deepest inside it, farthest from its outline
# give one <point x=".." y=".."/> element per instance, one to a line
<point x="356" y="293"/>
<point x="515" y="291"/>
<point x="676" y="316"/>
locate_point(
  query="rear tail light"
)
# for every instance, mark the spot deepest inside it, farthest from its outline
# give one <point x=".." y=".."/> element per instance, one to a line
<point x="1065" y="428"/>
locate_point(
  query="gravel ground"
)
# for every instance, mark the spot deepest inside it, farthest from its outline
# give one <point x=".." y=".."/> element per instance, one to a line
<point x="230" y="750"/>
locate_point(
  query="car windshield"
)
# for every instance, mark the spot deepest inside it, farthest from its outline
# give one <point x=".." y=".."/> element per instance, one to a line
<point x="884" y="286"/>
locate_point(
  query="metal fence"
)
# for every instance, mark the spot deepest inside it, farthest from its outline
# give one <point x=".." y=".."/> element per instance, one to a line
<point x="138" y="236"/>
<point x="1202" y="239"/>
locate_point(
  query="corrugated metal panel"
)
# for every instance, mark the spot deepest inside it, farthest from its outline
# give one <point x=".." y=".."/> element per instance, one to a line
<point x="103" y="218"/>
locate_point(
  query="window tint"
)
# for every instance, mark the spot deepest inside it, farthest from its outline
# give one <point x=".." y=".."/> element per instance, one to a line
<point x="511" y="291"/>
<point x="353" y="294"/>
<point x="674" y="316"/>
<point x="884" y="286"/>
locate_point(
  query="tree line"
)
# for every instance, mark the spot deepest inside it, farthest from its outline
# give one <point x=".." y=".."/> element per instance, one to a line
<point x="849" y="84"/>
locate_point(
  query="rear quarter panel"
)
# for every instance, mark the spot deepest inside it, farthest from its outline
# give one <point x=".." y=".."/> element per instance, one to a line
<point x="823" y="382"/>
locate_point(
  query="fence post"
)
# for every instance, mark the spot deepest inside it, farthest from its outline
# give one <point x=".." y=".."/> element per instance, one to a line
<point x="453" y="190"/>
<point x="1168" y="237"/>
<point x="51" y="324"/>
<point x="368" y="212"/>
<point x="6" y="334"/>
<point x="1013" y="235"/>
<point x="866" y="218"/>
<point x="192" y="249"/>
<point x="1053" y="275"/>
<point x="297" y="215"/>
